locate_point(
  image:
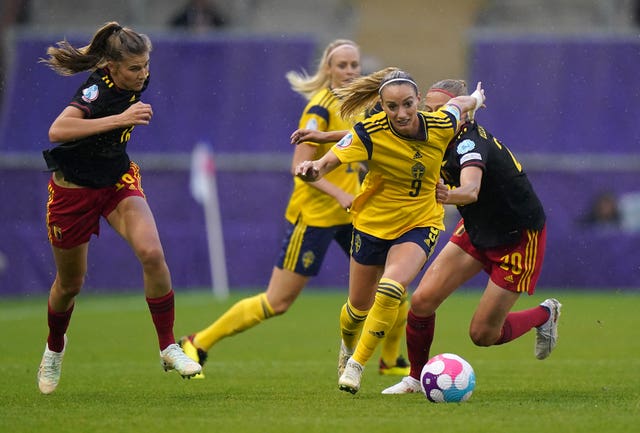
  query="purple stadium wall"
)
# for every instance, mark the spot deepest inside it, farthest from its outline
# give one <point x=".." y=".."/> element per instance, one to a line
<point x="232" y="93"/>
<point x="561" y="95"/>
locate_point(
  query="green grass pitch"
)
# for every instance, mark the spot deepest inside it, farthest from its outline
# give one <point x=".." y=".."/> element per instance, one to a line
<point x="281" y="376"/>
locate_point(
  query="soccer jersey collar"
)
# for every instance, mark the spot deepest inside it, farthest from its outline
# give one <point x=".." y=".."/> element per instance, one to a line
<point x="422" y="130"/>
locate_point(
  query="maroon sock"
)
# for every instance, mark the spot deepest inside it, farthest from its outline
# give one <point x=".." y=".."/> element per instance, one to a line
<point x="58" y="324"/>
<point x="520" y="322"/>
<point x="162" y="313"/>
<point x="419" y="338"/>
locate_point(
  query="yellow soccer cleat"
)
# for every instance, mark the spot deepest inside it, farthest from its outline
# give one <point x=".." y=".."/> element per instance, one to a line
<point x="198" y="355"/>
<point x="402" y="368"/>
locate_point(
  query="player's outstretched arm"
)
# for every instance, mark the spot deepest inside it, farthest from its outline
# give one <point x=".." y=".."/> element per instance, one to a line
<point x="310" y="171"/>
<point x="303" y="135"/>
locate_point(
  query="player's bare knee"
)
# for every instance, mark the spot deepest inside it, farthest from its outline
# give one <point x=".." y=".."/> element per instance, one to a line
<point x="68" y="286"/>
<point x="482" y="337"/>
<point x="151" y="258"/>
<point x="422" y="306"/>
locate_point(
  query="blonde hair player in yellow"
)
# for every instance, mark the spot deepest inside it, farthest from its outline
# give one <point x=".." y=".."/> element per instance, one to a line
<point x="396" y="217"/>
<point x="316" y="214"/>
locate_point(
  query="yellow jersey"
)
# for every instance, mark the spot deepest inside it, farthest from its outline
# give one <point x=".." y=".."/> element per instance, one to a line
<point x="313" y="206"/>
<point x="399" y="191"/>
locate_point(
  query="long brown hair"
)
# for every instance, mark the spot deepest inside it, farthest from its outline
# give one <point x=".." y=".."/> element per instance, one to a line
<point x="111" y="42"/>
<point x="363" y="93"/>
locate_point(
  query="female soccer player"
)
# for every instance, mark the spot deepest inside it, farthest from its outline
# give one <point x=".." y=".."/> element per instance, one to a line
<point x="396" y="217"/>
<point x="502" y="231"/>
<point x="316" y="214"/>
<point x="92" y="177"/>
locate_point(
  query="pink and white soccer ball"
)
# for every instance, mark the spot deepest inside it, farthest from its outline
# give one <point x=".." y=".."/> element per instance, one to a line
<point x="447" y="378"/>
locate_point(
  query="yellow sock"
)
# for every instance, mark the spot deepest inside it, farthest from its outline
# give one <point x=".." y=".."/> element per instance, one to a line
<point x="243" y="315"/>
<point x="391" y="345"/>
<point x="351" y="321"/>
<point x="380" y="319"/>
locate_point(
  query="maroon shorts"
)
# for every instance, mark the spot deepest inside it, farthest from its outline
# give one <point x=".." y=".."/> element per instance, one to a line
<point x="73" y="214"/>
<point x="514" y="267"/>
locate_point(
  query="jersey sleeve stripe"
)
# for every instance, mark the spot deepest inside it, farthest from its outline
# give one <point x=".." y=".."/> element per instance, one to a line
<point x="452" y="118"/>
<point x="84" y="109"/>
<point x="360" y="130"/>
<point x="375" y="128"/>
<point x="440" y="122"/>
<point x="372" y="127"/>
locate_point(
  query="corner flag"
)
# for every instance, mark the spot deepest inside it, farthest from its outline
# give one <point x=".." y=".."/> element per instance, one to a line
<point x="205" y="191"/>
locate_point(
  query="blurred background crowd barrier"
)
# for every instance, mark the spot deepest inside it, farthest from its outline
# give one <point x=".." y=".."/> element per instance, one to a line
<point x="562" y="94"/>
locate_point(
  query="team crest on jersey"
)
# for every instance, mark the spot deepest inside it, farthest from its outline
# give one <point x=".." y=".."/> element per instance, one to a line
<point x="312" y="124"/>
<point x="465" y="146"/>
<point x="345" y="141"/>
<point x="91" y="93"/>
<point x="417" y="171"/>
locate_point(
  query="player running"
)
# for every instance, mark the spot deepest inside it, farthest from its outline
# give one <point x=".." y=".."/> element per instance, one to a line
<point x="502" y="231"/>
<point x="93" y="177"/>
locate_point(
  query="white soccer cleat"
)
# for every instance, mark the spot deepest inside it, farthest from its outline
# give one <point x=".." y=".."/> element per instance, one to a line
<point x="351" y="377"/>
<point x="547" y="333"/>
<point x="173" y="358"/>
<point x="198" y="355"/>
<point x="343" y="357"/>
<point x="408" y="385"/>
<point x="50" y="369"/>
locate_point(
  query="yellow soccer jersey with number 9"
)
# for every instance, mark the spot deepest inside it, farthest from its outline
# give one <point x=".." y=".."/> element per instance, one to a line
<point x="399" y="191"/>
<point x="314" y="207"/>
